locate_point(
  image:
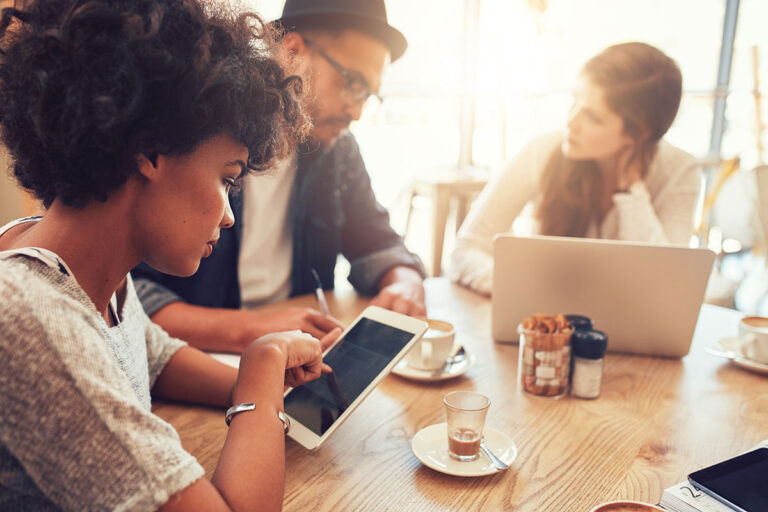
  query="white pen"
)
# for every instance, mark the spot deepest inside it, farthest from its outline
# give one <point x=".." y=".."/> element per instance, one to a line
<point x="320" y="295"/>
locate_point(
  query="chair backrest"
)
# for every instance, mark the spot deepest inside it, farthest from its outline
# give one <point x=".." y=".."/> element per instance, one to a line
<point x="761" y="206"/>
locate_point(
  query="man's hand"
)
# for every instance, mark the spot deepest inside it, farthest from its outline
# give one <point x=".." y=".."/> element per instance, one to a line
<point x="401" y="290"/>
<point x="306" y="320"/>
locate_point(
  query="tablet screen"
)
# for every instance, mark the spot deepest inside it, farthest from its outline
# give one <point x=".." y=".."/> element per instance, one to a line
<point x="356" y="361"/>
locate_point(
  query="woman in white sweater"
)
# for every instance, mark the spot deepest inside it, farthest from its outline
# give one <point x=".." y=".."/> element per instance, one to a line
<point x="608" y="175"/>
<point x="130" y="121"/>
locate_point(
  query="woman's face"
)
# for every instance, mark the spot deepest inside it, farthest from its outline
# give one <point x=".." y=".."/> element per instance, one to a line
<point x="593" y="131"/>
<point x="185" y="204"/>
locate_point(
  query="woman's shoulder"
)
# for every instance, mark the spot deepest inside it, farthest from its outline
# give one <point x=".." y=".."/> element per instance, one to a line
<point x="534" y="154"/>
<point x="36" y="295"/>
<point x="543" y="144"/>
<point x="672" y="168"/>
<point x="670" y="158"/>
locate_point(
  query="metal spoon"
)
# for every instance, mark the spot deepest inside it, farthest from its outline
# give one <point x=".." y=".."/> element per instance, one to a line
<point x="457" y="357"/>
<point x="496" y="461"/>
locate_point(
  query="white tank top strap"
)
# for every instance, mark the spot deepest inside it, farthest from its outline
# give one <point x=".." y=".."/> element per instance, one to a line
<point x="50" y="258"/>
<point x="16" y="222"/>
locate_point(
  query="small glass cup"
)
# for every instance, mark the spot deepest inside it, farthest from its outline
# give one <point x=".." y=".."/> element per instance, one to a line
<point x="465" y="413"/>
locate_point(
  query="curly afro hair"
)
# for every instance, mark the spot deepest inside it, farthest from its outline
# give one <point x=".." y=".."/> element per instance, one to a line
<point x="86" y="85"/>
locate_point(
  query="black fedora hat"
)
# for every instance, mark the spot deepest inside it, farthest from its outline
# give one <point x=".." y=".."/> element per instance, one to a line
<point x="366" y="16"/>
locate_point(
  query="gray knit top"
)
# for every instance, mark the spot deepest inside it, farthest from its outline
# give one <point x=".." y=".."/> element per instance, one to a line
<point x="76" y="430"/>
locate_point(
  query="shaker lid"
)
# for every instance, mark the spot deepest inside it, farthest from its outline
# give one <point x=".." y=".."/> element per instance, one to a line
<point x="579" y="322"/>
<point x="589" y="344"/>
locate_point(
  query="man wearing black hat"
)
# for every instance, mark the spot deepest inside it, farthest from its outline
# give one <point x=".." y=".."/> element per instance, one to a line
<point x="313" y="208"/>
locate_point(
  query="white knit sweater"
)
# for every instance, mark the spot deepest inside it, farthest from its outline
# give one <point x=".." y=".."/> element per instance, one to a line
<point x="658" y="210"/>
<point x="76" y="430"/>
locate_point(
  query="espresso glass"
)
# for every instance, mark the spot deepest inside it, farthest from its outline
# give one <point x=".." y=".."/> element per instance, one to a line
<point x="465" y="413"/>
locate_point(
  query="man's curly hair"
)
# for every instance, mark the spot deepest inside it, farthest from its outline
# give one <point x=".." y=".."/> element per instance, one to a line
<point x="87" y="85"/>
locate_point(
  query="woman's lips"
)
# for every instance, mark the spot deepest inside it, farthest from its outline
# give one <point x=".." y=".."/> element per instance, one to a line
<point x="209" y="247"/>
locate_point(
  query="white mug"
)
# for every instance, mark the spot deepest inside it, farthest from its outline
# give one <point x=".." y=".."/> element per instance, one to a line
<point x="753" y="338"/>
<point x="433" y="349"/>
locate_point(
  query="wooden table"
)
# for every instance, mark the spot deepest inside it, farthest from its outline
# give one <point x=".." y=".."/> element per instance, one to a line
<point x="655" y="421"/>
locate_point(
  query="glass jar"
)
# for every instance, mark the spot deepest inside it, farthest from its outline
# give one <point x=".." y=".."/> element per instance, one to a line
<point x="544" y="362"/>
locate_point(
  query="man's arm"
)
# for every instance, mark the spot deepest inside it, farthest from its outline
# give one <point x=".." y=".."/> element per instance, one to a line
<point x="381" y="264"/>
<point x="231" y="330"/>
<point x="212" y="383"/>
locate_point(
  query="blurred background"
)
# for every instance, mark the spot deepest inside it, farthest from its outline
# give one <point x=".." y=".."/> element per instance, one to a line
<point x="482" y="77"/>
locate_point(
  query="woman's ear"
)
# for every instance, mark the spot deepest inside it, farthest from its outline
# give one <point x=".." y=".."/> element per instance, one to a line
<point x="147" y="165"/>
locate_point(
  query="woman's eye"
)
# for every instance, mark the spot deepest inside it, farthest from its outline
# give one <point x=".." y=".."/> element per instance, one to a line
<point x="594" y="118"/>
<point x="231" y="184"/>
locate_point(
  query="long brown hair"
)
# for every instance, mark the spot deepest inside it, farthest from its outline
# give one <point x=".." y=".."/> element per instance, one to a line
<point x="642" y="86"/>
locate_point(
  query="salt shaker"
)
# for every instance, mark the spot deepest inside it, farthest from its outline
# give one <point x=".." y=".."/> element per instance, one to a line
<point x="588" y="349"/>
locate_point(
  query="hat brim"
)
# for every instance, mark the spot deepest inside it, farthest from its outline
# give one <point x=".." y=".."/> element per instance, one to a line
<point x="392" y="38"/>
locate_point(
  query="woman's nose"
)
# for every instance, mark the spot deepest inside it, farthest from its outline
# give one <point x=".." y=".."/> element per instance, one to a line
<point x="573" y="119"/>
<point x="228" y="219"/>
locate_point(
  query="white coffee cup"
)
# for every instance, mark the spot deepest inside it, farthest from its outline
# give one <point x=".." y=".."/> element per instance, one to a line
<point x="753" y="338"/>
<point x="433" y="349"/>
<point x="626" y="506"/>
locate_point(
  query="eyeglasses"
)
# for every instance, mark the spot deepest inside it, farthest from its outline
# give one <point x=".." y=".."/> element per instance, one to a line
<point x="356" y="87"/>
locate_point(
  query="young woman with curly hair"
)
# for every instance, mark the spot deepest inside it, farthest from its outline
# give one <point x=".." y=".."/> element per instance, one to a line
<point x="608" y="175"/>
<point x="130" y="120"/>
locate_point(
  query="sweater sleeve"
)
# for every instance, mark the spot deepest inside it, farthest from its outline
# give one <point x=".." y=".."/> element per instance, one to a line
<point x="666" y="218"/>
<point x="495" y="210"/>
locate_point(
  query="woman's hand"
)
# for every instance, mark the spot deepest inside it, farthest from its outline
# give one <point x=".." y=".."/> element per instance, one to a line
<point x="301" y="353"/>
<point x="298" y="375"/>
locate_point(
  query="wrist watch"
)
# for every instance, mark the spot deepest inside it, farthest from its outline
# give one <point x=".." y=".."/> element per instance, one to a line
<point x="237" y="409"/>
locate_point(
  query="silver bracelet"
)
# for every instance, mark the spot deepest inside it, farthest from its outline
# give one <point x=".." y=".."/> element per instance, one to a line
<point x="236" y="409"/>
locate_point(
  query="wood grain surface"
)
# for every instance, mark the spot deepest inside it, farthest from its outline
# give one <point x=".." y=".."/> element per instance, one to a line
<point x="655" y="421"/>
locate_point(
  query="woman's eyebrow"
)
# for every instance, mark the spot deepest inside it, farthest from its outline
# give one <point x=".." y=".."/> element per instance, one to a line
<point x="238" y="163"/>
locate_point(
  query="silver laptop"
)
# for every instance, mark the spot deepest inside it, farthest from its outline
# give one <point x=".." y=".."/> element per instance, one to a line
<point x="645" y="297"/>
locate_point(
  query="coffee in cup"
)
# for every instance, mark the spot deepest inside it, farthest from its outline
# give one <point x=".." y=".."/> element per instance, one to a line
<point x="753" y="338"/>
<point x="433" y="349"/>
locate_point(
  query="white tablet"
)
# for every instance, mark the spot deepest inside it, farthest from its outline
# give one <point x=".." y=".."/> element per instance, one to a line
<point x="363" y="355"/>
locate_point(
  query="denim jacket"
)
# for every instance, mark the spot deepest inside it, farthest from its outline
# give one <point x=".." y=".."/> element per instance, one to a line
<point x="333" y="211"/>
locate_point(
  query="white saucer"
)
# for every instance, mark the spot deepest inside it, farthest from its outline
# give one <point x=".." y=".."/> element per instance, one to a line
<point x="430" y="445"/>
<point x="730" y="349"/>
<point x="403" y="369"/>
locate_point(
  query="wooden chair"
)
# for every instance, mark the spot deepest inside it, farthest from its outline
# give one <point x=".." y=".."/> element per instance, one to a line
<point x="446" y="187"/>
